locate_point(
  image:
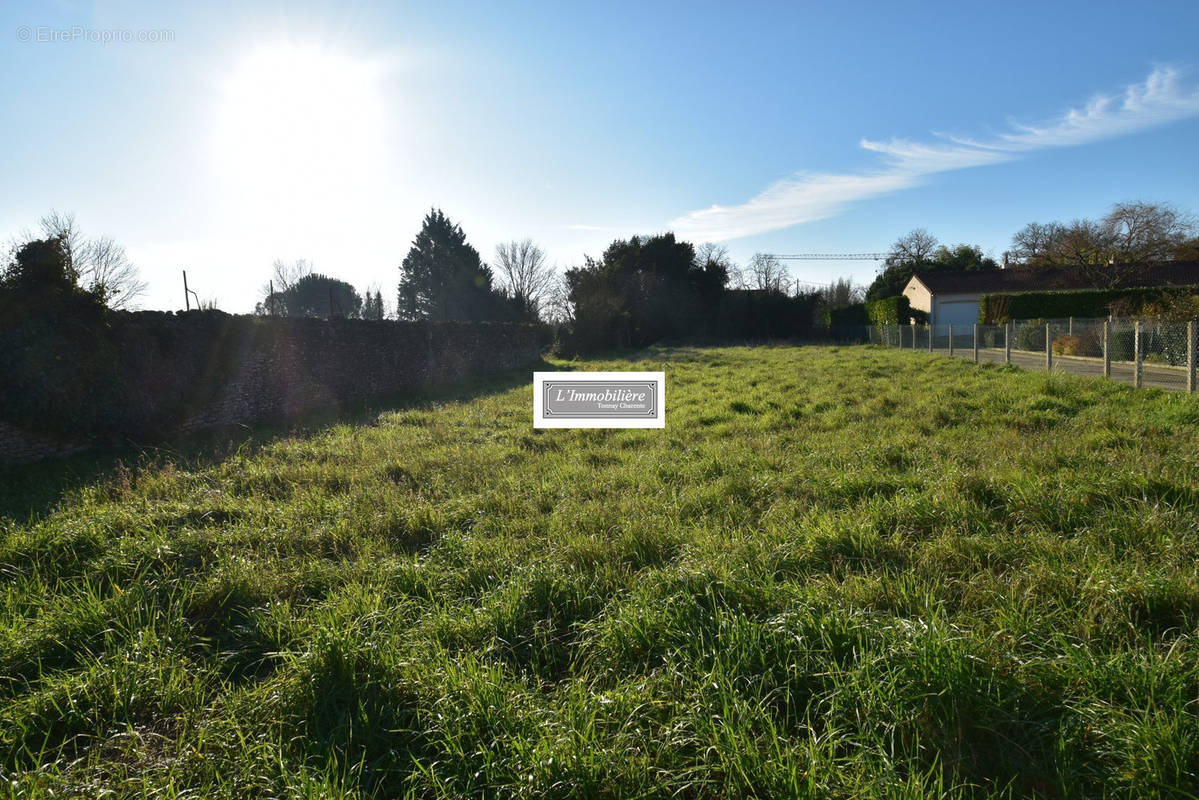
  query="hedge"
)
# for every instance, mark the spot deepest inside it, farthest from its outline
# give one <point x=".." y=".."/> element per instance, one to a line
<point x="889" y="310"/>
<point x="845" y="316"/>
<point x="995" y="309"/>
<point x="896" y="310"/>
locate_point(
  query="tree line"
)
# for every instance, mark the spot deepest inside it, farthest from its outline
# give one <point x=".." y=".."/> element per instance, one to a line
<point x="1105" y="252"/>
<point x="645" y="289"/>
<point x="640" y="290"/>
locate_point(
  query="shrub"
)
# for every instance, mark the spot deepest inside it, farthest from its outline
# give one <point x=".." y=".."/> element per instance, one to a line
<point x="895" y="310"/>
<point x="1067" y="345"/>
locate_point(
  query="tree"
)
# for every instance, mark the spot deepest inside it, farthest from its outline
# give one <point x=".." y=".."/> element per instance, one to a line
<point x="1110" y="251"/>
<point x="443" y="278"/>
<point x="558" y="308"/>
<point x="841" y="292"/>
<point x="767" y="273"/>
<point x="908" y="253"/>
<point x="918" y="252"/>
<point x="40" y="280"/>
<point x="284" y="275"/>
<point x="642" y="290"/>
<point x="1036" y="244"/>
<point x="1144" y="233"/>
<point x="314" y="295"/>
<point x="42" y="266"/>
<point x="715" y="257"/>
<point x="961" y="258"/>
<point x="527" y="278"/>
<point x="102" y="266"/>
<point x="372" y="306"/>
<point x="916" y="247"/>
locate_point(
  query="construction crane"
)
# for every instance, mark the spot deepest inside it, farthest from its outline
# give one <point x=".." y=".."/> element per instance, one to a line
<point x="830" y="256"/>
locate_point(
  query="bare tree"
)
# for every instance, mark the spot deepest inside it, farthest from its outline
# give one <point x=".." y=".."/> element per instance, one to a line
<point x="1110" y="251"/>
<point x="284" y="276"/>
<point x="1036" y="244"/>
<point x="526" y="275"/>
<point x="767" y="273"/>
<point x="915" y="247"/>
<point x="101" y="265"/>
<point x="1142" y="233"/>
<point x="711" y="254"/>
<point x="558" y="308"/>
<point x="108" y="272"/>
<point x="842" y="292"/>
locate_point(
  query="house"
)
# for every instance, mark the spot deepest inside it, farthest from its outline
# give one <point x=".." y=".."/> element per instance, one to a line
<point x="952" y="298"/>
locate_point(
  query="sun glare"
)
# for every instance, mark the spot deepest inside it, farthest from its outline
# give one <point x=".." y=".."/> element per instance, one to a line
<point x="298" y="128"/>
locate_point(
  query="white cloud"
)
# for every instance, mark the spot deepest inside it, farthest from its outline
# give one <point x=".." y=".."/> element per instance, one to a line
<point x="806" y="197"/>
<point x="802" y="198"/>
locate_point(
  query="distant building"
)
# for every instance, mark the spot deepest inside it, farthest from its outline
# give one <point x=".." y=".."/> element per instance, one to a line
<point x="951" y="298"/>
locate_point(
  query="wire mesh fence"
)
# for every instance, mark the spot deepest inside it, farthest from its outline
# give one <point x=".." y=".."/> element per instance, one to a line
<point x="1151" y="353"/>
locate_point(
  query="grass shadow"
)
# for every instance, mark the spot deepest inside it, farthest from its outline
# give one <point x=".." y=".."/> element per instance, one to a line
<point x="29" y="491"/>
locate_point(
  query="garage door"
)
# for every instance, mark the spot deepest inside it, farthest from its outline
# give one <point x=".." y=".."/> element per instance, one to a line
<point x="964" y="313"/>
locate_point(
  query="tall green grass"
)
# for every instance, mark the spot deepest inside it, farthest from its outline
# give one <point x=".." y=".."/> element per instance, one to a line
<point x="838" y="572"/>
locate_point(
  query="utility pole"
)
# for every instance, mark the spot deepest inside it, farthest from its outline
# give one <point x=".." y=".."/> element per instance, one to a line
<point x="188" y="294"/>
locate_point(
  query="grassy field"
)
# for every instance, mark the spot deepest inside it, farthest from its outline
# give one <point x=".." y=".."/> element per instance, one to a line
<point x="839" y="572"/>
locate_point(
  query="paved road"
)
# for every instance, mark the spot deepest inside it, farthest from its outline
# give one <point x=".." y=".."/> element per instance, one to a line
<point x="1154" y="375"/>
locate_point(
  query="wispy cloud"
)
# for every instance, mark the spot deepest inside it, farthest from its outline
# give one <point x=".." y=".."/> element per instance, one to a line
<point x="806" y="197"/>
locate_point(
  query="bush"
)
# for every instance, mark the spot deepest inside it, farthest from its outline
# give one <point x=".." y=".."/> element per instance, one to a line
<point x="895" y="310"/>
<point x="1067" y="345"/>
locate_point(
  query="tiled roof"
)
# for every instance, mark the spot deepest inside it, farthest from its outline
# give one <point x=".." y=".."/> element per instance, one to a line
<point x="1040" y="279"/>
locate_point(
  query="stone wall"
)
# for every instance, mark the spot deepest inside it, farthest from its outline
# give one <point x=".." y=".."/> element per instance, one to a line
<point x="150" y="375"/>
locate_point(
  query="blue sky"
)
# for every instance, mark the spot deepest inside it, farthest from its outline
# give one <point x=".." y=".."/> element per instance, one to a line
<point x="255" y="131"/>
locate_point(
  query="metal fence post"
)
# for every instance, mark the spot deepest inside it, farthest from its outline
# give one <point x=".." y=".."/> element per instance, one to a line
<point x="1007" y="341"/>
<point x="1138" y="346"/>
<point x="1071" y="329"/>
<point x="1107" y="348"/>
<point x="951" y="340"/>
<point x="913" y="335"/>
<point x="1191" y="356"/>
<point x="930" y="336"/>
<point x="1048" y="349"/>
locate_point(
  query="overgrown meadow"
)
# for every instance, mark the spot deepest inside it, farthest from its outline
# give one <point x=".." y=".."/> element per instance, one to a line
<point x="838" y="572"/>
